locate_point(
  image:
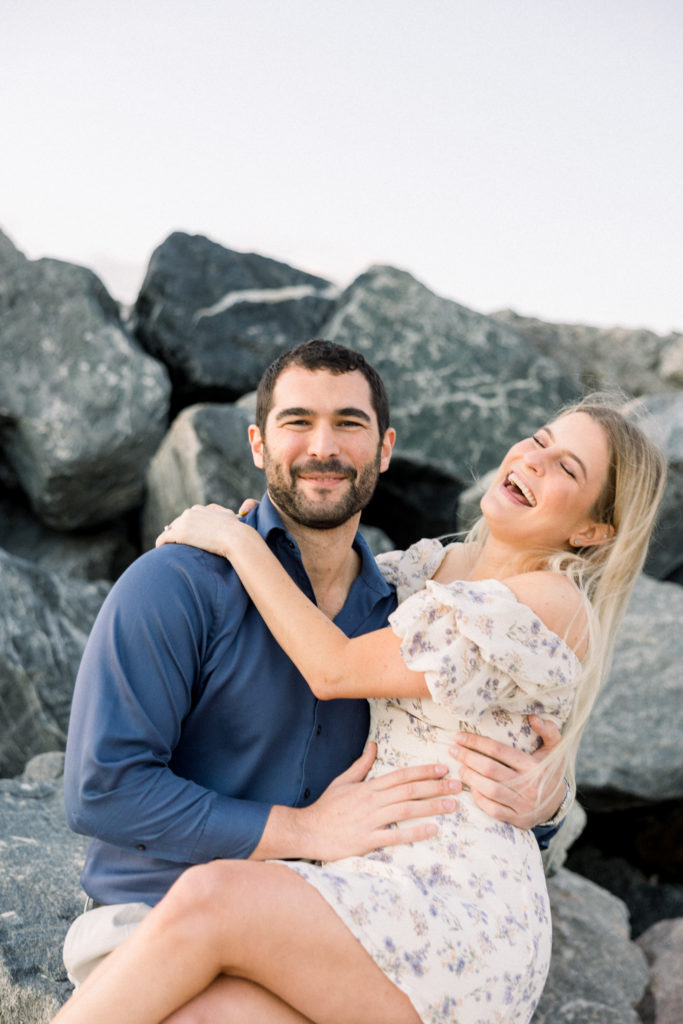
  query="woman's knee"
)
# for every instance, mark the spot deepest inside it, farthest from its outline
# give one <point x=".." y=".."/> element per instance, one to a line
<point x="200" y="891"/>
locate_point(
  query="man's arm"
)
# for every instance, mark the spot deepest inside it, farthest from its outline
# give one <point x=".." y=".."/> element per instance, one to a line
<point x="493" y="772"/>
<point x="133" y="693"/>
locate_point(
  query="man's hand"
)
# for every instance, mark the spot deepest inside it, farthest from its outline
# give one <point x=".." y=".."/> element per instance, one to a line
<point x="492" y="770"/>
<point x="353" y="815"/>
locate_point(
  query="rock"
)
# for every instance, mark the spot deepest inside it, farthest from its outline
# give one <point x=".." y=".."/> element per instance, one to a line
<point x="648" y="900"/>
<point x="631" y="751"/>
<point x="102" y="555"/>
<point x="460" y="385"/>
<point x="204" y="458"/>
<point x="671" y="362"/>
<point x="661" y="417"/>
<point x="468" y="503"/>
<point x="597" y="975"/>
<point x="44" y="624"/>
<point x="414" y="500"/>
<point x="634" y="361"/>
<point x="376" y="539"/>
<point x="663" y="947"/>
<point x="217" y="318"/>
<point x="40" y="895"/>
<point x="82" y="408"/>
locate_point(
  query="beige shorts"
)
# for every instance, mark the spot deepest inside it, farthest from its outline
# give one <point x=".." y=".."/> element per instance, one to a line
<point x="96" y="933"/>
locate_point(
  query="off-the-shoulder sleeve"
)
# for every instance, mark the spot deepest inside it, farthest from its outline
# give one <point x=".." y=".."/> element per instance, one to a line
<point x="480" y="648"/>
<point x="407" y="570"/>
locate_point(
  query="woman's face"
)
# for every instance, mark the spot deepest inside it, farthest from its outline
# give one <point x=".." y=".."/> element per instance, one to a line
<point x="548" y="484"/>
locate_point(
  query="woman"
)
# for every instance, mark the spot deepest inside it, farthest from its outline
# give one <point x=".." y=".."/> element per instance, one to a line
<point x="517" y="620"/>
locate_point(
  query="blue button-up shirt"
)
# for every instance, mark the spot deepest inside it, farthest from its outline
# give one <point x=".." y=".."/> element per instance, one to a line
<point x="189" y="722"/>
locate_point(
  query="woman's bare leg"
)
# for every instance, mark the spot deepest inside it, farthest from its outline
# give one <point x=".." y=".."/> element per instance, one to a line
<point x="236" y="1001"/>
<point x="250" y="920"/>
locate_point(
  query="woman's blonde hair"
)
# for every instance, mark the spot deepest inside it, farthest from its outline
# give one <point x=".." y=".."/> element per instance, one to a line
<point x="605" y="574"/>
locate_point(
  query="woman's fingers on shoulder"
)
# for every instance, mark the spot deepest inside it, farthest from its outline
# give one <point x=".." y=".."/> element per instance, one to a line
<point x="247" y="505"/>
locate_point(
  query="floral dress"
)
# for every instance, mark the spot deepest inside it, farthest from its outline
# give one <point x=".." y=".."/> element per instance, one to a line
<point x="459" y="922"/>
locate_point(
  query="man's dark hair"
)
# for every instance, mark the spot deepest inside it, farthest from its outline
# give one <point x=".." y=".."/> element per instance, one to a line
<point x="319" y="354"/>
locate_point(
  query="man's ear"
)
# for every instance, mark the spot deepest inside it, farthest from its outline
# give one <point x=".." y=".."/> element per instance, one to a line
<point x="388" y="442"/>
<point x="594" y="534"/>
<point x="256" y="443"/>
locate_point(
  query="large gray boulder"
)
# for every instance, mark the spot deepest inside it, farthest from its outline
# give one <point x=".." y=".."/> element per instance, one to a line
<point x="40" y="895"/>
<point x="597" y="975"/>
<point x="631" y="751"/>
<point x="663" y="947"/>
<point x="661" y="416"/>
<point x="461" y="385"/>
<point x="204" y="458"/>
<point x="217" y="318"/>
<point x="636" y="361"/>
<point x="44" y="624"/>
<point x="82" y="407"/>
<point x="89" y="555"/>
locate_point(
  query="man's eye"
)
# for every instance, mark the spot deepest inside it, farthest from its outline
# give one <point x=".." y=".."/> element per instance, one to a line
<point x="536" y="438"/>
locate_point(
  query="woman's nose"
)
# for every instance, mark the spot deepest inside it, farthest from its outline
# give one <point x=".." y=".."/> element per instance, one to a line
<point x="535" y="459"/>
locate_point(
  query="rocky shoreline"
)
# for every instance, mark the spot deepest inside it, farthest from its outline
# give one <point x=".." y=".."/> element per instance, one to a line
<point x="112" y="420"/>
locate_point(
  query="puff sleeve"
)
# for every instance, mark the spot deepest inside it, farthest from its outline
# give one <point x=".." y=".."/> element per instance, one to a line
<point x="408" y="570"/>
<point x="484" y="653"/>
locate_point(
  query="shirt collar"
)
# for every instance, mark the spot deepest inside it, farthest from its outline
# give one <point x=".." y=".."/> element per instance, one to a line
<point x="267" y="521"/>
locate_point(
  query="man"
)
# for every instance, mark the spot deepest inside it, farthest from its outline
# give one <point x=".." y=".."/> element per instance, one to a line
<point x="193" y="737"/>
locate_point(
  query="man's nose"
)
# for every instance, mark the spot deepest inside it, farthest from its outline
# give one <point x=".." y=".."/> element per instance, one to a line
<point x="322" y="441"/>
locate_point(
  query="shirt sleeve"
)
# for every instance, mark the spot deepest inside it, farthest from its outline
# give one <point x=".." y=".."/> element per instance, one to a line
<point x="133" y="691"/>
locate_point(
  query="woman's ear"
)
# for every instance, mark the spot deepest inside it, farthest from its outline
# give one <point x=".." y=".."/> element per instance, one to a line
<point x="596" y="533"/>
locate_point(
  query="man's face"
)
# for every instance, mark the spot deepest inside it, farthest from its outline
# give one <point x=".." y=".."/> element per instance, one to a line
<point x="321" y="453"/>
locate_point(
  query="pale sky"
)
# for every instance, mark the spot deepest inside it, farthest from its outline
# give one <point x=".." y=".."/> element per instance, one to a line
<point x="508" y="153"/>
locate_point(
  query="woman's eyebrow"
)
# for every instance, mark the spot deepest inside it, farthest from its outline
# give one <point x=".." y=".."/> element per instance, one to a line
<point x="570" y="453"/>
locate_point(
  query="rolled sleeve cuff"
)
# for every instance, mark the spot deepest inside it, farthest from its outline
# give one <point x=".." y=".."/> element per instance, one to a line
<point x="547" y="829"/>
<point x="232" y="830"/>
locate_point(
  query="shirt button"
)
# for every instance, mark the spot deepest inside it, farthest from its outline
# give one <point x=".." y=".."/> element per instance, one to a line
<point x="307" y="793"/>
<point x="319" y="730"/>
<point x="141" y="847"/>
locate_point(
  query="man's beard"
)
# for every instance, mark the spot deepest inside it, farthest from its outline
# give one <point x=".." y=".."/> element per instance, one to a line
<point x="319" y="515"/>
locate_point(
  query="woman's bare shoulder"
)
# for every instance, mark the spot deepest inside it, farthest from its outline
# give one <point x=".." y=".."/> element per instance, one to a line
<point x="556" y="601"/>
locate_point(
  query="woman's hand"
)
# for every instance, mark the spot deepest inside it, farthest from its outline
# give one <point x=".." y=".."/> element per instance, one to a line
<point x="210" y="527"/>
<point x="247" y="505"/>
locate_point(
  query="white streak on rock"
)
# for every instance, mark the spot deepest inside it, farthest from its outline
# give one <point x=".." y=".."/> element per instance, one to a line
<point x="266" y="295"/>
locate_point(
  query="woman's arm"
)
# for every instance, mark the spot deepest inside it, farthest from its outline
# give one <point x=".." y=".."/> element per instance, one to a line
<point x="333" y="664"/>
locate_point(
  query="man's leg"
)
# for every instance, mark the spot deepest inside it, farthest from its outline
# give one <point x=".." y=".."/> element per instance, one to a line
<point x="246" y="919"/>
